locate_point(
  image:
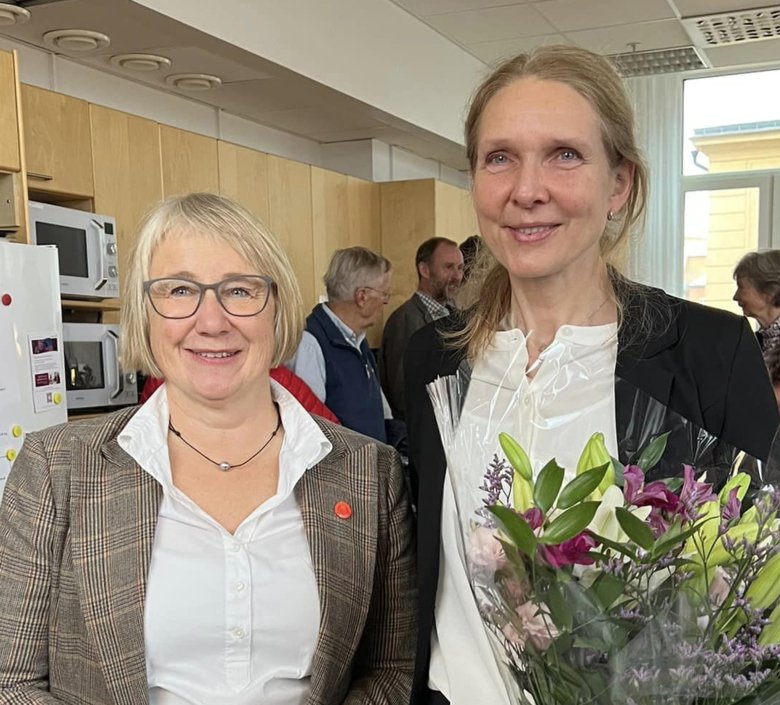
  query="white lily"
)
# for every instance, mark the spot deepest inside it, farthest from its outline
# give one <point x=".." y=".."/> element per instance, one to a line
<point x="605" y="523"/>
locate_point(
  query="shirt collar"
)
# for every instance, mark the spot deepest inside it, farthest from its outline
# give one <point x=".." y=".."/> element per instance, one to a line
<point x="145" y="439"/>
<point x="436" y="309"/>
<point x="349" y="335"/>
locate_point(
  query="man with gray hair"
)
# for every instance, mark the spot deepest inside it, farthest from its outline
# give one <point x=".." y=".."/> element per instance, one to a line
<point x="333" y="357"/>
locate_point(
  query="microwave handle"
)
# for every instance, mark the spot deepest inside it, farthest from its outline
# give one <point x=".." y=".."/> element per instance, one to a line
<point x="113" y="340"/>
<point x="102" y="279"/>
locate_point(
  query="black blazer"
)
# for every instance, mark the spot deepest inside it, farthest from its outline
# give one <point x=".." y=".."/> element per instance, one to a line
<point x="699" y="362"/>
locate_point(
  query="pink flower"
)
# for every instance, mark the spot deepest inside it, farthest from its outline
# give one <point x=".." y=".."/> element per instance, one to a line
<point x="732" y="507"/>
<point x="535" y="518"/>
<point x="533" y="624"/>
<point x="572" y="552"/>
<point x="486" y="550"/>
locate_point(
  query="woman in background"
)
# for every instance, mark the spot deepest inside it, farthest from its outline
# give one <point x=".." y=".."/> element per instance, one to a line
<point x="217" y="544"/>
<point x="557" y="182"/>
<point x="758" y="295"/>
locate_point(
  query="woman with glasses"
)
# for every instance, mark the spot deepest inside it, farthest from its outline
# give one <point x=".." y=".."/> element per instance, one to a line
<point x="217" y="544"/>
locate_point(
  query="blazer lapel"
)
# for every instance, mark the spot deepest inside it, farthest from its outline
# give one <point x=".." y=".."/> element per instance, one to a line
<point x="114" y="514"/>
<point x="343" y="550"/>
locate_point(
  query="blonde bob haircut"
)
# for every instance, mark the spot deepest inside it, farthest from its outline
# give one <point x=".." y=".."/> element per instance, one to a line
<point x="595" y="79"/>
<point x="223" y="221"/>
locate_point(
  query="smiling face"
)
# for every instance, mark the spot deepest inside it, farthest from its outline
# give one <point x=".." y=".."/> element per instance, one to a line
<point x="444" y="274"/>
<point x="211" y="357"/>
<point x="542" y="181"/>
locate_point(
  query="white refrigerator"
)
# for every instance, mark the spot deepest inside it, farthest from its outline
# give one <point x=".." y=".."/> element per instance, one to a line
<point x="32" y="367"/>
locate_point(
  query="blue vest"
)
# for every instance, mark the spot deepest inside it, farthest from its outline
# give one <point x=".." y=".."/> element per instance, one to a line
<point x="352" y="390"/>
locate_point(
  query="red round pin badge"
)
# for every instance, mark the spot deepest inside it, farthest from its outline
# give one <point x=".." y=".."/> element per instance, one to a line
<point x="343" y="510"/>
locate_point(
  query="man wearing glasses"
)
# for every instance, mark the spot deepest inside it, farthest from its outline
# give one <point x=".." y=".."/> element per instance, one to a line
<point x="333" y="357"/>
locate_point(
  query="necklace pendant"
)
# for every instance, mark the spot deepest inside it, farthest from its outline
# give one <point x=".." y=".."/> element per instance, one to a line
<point x="224" y="466"/>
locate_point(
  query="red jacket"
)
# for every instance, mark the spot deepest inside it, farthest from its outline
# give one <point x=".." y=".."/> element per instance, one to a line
<point x="290" y="381"/>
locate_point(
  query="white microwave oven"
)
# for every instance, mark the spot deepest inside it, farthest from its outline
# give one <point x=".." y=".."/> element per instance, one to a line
<point x="93" y="377"/>
<point x="86" y="249"/>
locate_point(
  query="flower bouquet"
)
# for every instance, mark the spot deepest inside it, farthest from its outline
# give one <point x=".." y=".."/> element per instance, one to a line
<point x="603" y="585"/>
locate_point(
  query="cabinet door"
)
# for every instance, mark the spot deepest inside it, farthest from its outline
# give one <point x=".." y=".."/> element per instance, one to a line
<point x="189" y="162"/>
<point x="243" y="177"/>
<point x="9" y="121"/>
<point x="57" y="142"/>
<point x="128" y="178"/>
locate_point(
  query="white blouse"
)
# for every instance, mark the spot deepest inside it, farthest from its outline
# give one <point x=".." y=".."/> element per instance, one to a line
<point x="552" y="415"/>
<point x="229" y="619"/>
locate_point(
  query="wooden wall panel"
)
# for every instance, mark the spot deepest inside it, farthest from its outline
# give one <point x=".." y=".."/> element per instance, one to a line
<point x="243" y="176"/>
<point x="290" y="218"/>
<point x="455" y="217"/>
<point x="408" y="218"/>
<point x="128" y="174"/>
<point x="330" y="220"/>
<point x="189" y="162"/>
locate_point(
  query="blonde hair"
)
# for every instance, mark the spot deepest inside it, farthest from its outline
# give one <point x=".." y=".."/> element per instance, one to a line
<point x="226" y="222"/>
<point x="487" y="291"/>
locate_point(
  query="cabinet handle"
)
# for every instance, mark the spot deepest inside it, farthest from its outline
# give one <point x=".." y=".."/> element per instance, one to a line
<point x="40" y="177"/>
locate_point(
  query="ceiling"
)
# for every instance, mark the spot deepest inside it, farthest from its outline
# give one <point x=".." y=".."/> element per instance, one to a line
<point x="273" y="95"/>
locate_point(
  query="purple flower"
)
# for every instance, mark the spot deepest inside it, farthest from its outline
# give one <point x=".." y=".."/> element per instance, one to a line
<point x="571" y="552"/>
<point x="694" y="494"/>
<point x="633" y="479"/>
<point x="535" y="518"/>
<point x="732" y="507"/>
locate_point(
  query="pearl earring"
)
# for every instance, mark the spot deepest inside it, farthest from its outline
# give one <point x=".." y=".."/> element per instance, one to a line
<point x="610" y="215"/>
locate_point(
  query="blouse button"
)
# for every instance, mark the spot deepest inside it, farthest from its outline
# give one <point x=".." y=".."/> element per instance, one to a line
<point x="239" y="633"/>
<point x="240" y="586"/>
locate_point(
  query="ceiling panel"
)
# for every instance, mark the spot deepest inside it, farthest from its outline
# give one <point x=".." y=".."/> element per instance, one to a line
<point x="744" y="54"/>
<point x="693" y="8"/>
<point x="492" y="24"/>
<point x="426" y="8"/>
<point x="567" y="15"/>
<point x="646" y="36"/>
<point x="493" y="52"/>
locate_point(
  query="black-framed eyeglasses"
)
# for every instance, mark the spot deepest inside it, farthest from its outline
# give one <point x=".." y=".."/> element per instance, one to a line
<point x="242" y="295"/>
<point x="384" y="294"/>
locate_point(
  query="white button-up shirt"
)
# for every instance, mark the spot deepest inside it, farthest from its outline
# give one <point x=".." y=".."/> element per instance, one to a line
<point x="552" y="415"/>
<point x="229" y="618"/>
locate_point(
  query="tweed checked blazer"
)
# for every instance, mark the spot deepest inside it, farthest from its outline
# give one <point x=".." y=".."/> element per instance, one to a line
<point x="77" y="524"/>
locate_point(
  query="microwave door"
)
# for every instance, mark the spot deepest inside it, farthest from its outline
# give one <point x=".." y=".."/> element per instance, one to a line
<point x="97" y="254"/>
<point x="114" y="381"/>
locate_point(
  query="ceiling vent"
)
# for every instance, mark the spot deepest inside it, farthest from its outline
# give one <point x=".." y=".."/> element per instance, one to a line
<point x="11" y="13"/>
<point x="143" y="63"/>
<point x="193" y="81"/>
<point x="648" y="63"/>
<point x="76" y="41"/>
<point x="735" y="27"/>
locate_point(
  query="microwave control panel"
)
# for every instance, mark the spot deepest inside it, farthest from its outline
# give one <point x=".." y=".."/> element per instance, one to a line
<point x="111" y="288"/>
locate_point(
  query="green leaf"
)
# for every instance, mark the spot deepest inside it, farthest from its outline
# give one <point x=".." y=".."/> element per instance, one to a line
<point x="516" y="455"/>
<point x="607" y="589"/>
<point x="570" y="523"/>
<point x="671" y="539"/>
<point x="620" y="548"/>
<point x="515" y="528"/>
<point x="635" y="528"/>
<point x="581" y="487"/>
<point x="652" y="452"/>
<point x="560" y="609"/>
<point x="547" y="485"/>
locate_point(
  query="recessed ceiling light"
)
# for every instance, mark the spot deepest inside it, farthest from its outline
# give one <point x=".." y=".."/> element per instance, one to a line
<point x="76" y="40"/>
<point x="13" y="14"/>
<point x="193" y="81"/>
<point x="141" y="62"/>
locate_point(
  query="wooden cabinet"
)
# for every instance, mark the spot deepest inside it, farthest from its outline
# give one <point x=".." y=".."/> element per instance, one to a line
<point x="290" y="219"/>
<point x="189" y="162"/>
<point x="243" y="177"/>
<point x="10" y="155"/>
<point x="127" y="169"/>
<point x="57" y="142"/>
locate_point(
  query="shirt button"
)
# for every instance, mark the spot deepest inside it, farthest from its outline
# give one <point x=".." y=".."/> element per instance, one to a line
<point x="527" y="401"/>
<point x="566" y="330"/>
<point x="240" y="586"/>
<point x="239" y="633"/>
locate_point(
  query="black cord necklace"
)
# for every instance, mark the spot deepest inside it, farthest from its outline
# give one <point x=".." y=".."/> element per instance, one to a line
<point x="224" y="465"/>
